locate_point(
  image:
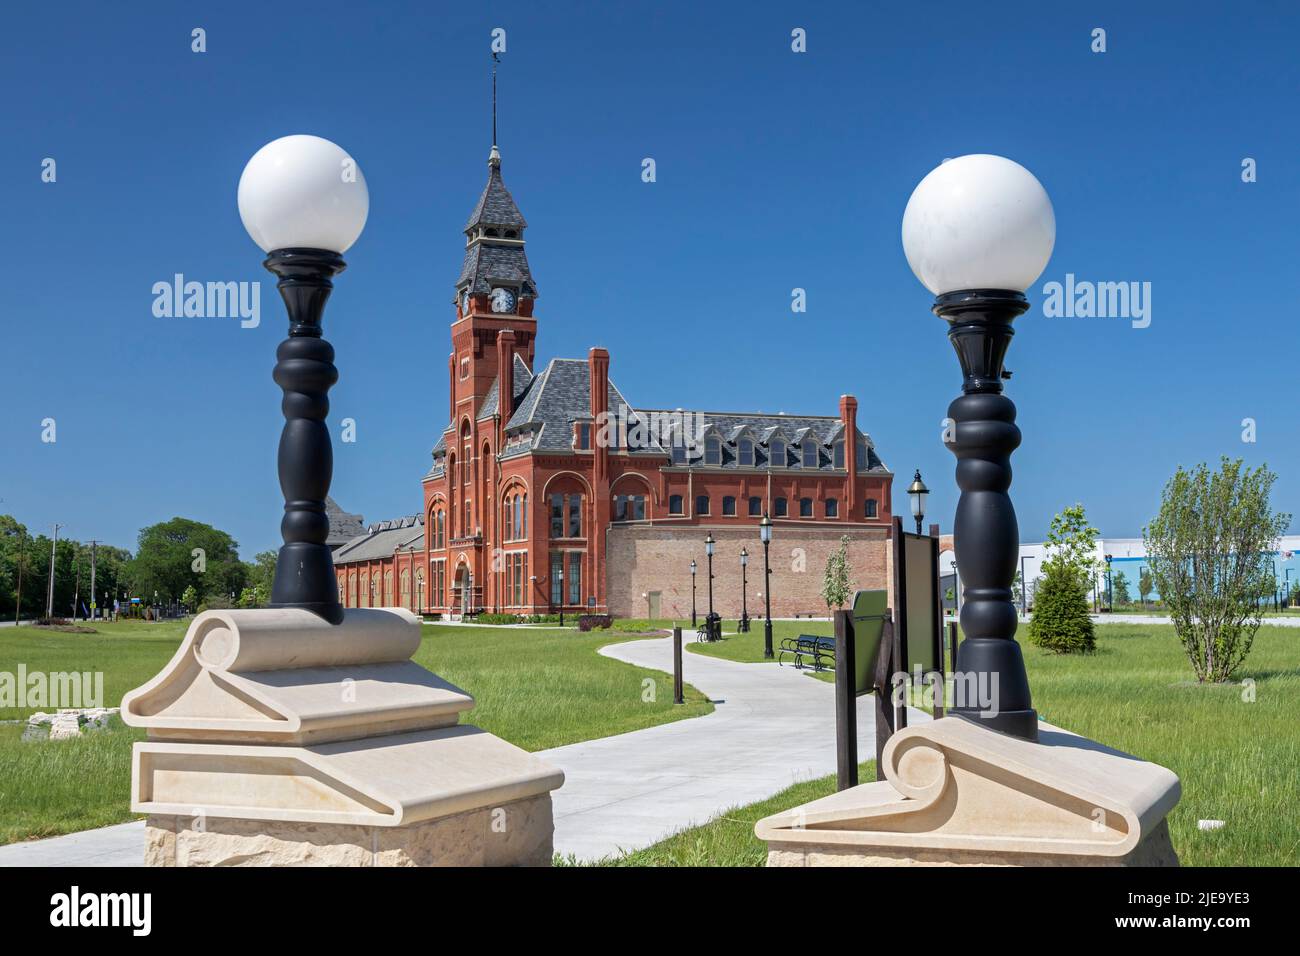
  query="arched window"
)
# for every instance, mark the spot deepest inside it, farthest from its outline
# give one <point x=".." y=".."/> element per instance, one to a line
<point x="406" y="589"/>
<point x="780" y="507"/>
<point x="832" y="508"/>
<point x="701" y="504"/>
<point x="729" y="506"/>
<point x="712" y="451"/>
<point x="419" y="589"/>
<point x="777" y="457"/>
<point x="805" y="508"/>
<point x="675" y="504"/>
<point x="755" y="505"/>
<point x="374" y="589"/>
<point x="871" y="508"/>
<point x="809" y="453"/>
<point x="388" y="588"/>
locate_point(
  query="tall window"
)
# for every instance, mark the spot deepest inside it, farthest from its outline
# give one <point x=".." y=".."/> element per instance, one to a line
<point x="809" y="453"/>
<point x="780" y="507"/>
<point x="468" y="528"/>
<point x="832" y="508"/>
<point x="675" y="504"/>
<point x="838" y="460"/>
<point x="557" y="577"/>
<point x="438" y="530"/>
<point x="517" y="578"/>
<point x="701" y="504"/>
<point x="419" y="590"/>
<point x="466" y="472"/>
<point x="746" y="450"/>
<point x="755" y="505"/>
<point x="729" y="506"/>
<point x="575" y="577"/>
<point x="629" y="507"/>
<point x="437" y="579"/>
<point x="575" y="516"/>
<point x="805" y="508"/>
<point x="871" y="508"/>
<point x="777" y="457"/>
<point x="860" y="453"/>
<point x="712" y="452"/>
<point x="584" y="435"/>
<point x="566" y="516"/>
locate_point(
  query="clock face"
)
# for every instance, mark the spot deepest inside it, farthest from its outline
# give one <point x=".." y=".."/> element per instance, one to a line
<point x="503" y="300"/>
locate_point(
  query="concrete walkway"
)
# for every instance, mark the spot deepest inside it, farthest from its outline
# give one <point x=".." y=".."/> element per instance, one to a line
<point x="772" y="726"/>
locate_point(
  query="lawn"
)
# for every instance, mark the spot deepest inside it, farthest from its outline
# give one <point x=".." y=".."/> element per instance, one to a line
<point x="1238" y="758"/>
<point x="536" y="687"/>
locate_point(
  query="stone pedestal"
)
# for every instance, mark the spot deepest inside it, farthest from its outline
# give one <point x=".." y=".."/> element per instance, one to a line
<point x="957" y="794"/>
<point x="278" y="739"/>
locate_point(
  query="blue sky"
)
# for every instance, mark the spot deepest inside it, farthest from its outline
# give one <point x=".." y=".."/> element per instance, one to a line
<point x="775" y="170"/>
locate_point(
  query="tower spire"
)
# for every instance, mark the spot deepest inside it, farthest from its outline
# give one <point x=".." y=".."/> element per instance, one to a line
<point x="494" y="157"/>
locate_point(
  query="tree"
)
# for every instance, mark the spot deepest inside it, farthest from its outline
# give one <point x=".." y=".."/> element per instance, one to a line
<point x="1145" y="585"/>
<point x="261" y="571"/>
<point x="1209" y="548"/>
<point x="1119" y="589"/>
<point x="190" y="597"/>
<point x="1061" y="622"/>
<point x="836" y="586"/>
<point x="167" y="562"/>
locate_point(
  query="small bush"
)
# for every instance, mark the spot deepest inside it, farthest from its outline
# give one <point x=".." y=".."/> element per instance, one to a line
<point x="498" y="619"/>
<point x="53" y="621"/>
<point x="1061" y="622"/>
<point x="587" y="622"/>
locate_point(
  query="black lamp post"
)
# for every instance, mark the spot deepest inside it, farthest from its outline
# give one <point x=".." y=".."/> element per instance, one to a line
<point x="765" y="535"/>
<point x="916" y="494"/>
<point x="978" y="230"/>
<point x="1110" y="590"/>
<point x="304" y="201"/>
<point x="714" y="631"/>
<point x="692" y="592"/>
<point x="744" y="586"/>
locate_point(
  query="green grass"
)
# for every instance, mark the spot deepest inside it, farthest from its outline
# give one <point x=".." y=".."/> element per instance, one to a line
<point x="1238" y="761"/>
<point x="537" y="688"/>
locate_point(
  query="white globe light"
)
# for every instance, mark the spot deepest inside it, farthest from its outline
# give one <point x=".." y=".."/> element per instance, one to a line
<point x="978" y="222"/>
<point x="303" y="192"/>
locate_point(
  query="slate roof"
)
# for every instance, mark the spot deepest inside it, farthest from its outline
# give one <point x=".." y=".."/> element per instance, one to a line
<point x="343" y="526"/>
<point x="487" y="265"/>
<point x="495" y="207"/>
<point x="522" y="379"/>
<point x="383" y="538"/>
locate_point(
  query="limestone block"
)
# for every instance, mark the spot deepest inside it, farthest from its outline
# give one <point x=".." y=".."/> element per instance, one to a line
<point x="957" y="794"/>
<point x="471" y="838"/>
<point x="278" y="739"/>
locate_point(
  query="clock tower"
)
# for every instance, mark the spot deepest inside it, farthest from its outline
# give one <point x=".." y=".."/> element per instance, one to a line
<point x="495" y="292"/>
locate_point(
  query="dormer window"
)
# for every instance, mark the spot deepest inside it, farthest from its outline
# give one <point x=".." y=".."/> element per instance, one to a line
<point x="679" y="451"/>
<point x="838" y="458"/>
<point x="777" y="458"/>
<point x="809" y="453"/>
<point x="746" y="452"/>
<point x="712" y="451"/>
<point x="512" y="234"/>
<point x="861" y="455"/>
<point x="582" y="435"/>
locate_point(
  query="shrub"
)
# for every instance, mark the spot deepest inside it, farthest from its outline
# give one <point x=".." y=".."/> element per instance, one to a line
<point x="52" y="621"/>
<point x="498" y="619"/>
<point x="1061" y="622"/>
<point x="588" y="621"/>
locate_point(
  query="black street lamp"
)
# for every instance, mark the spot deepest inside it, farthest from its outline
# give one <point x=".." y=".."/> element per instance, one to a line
<point x="744" y="586"/>
<point x="692" y="592"/>
<point x="1110" y="590"/>
<point x="714" y="631"/>
<point x="978" y="231"/>
<point x="304" y="201"/>
<point x="917" y="493"/>
<point x="765" y="534"/>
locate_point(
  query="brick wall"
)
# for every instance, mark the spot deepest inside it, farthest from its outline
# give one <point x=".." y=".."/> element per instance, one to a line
<point x="647" y="558"/>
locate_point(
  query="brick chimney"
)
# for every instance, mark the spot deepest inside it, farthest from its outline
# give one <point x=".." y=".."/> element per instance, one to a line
<point x="849" y="418"/>
<point x="598" y="367"/>
<point x="506" y="374"/>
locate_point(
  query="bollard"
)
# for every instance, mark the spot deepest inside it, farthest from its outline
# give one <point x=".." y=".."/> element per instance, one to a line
<point x="678" y="697"/>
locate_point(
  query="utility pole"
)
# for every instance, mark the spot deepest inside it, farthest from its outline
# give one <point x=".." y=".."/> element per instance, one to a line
<point x="22" y="560"/>
<point x="49" y="596"/>
<point x="93" y="542"/>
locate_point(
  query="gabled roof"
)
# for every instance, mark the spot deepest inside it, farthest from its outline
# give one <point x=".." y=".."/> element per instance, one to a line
<point x="383" y="538"/>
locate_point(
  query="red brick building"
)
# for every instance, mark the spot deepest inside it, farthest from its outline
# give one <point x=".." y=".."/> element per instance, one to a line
<point x="549" y="490"/>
